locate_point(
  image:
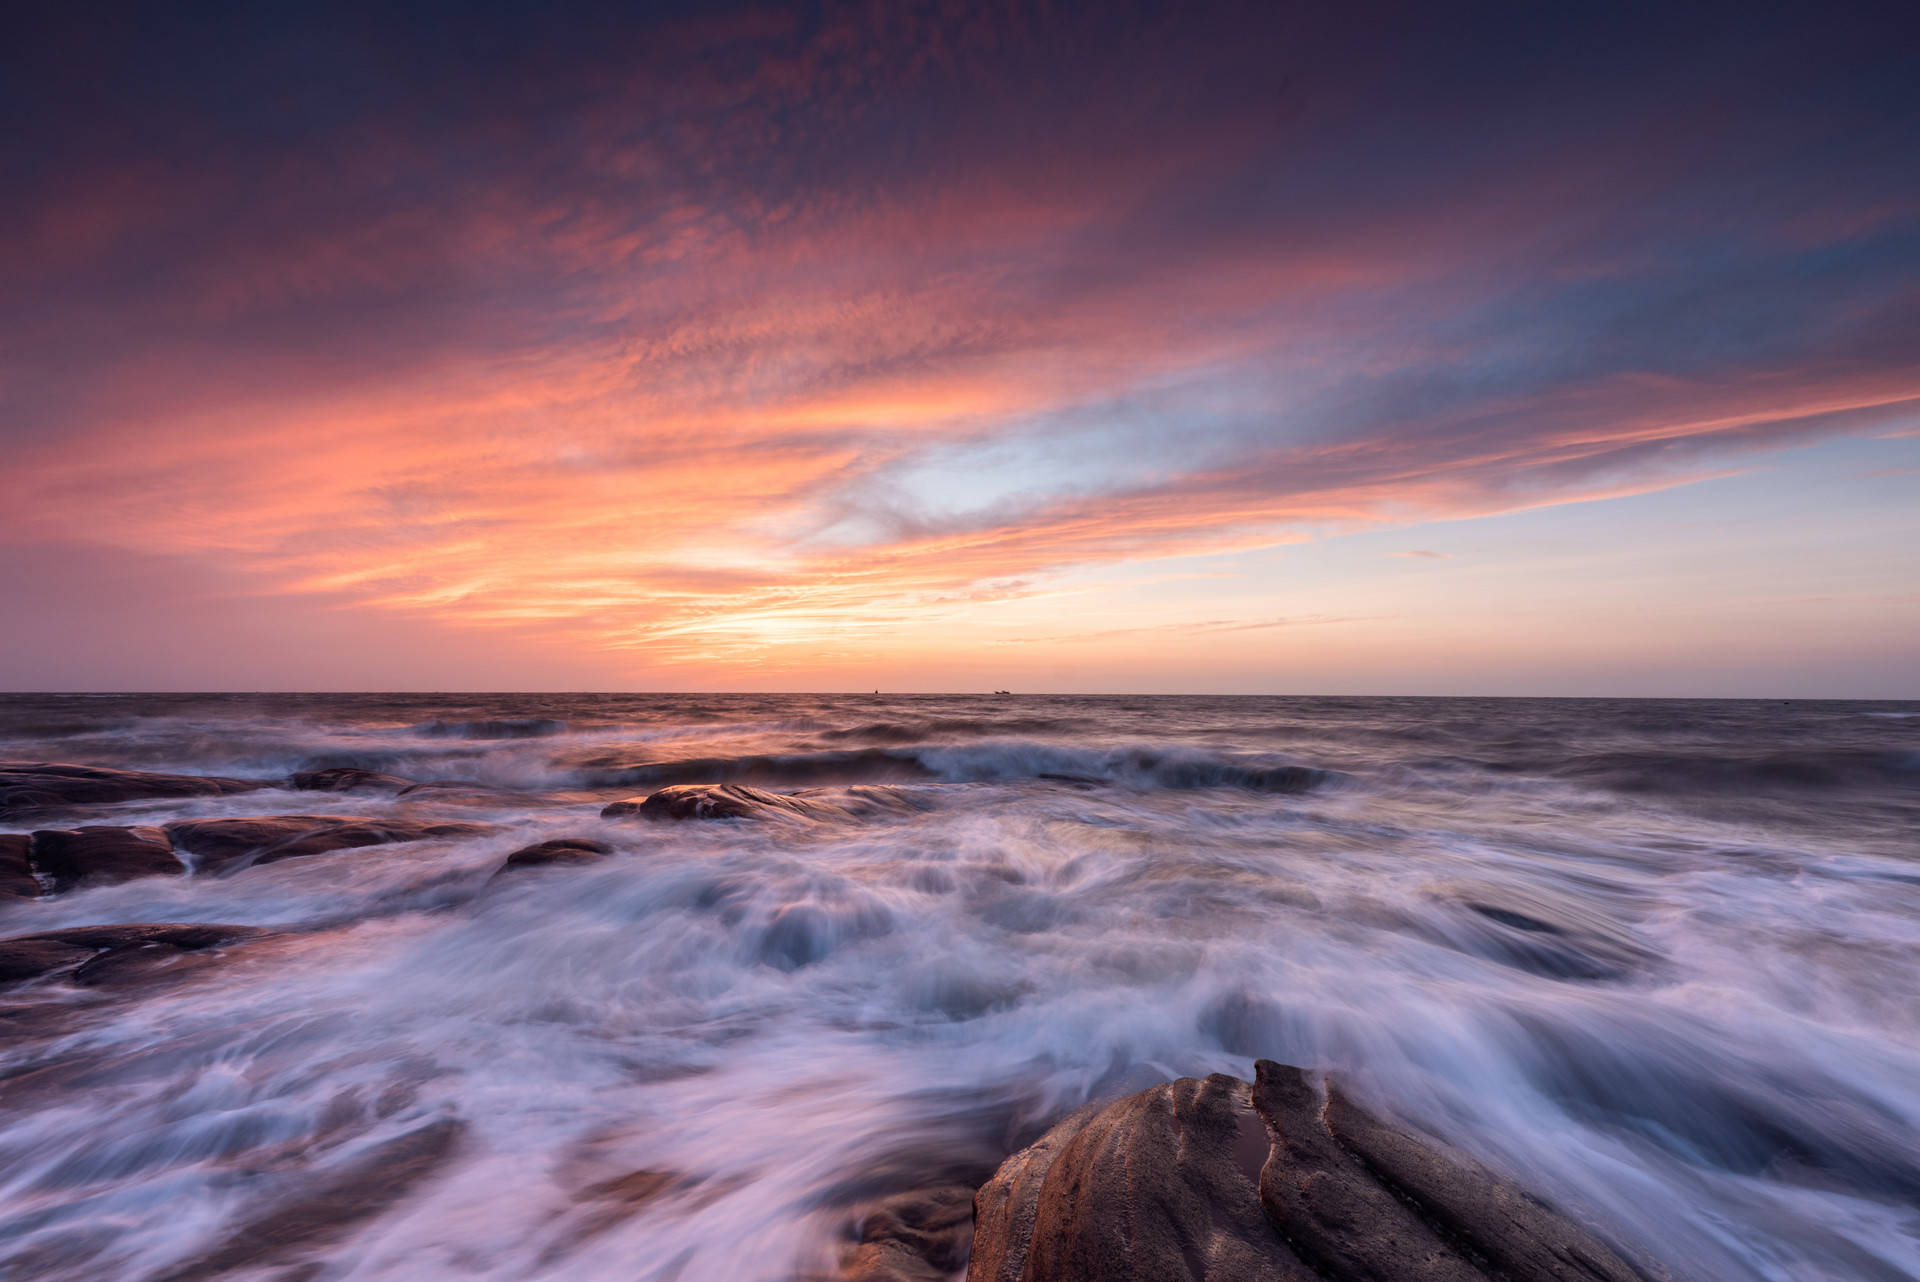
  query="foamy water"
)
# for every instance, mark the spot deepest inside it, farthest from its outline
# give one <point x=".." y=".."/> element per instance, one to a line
<point x="1659" y="961"/>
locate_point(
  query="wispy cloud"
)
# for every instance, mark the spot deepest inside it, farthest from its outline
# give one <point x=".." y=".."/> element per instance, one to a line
<point x="698" y="342"/>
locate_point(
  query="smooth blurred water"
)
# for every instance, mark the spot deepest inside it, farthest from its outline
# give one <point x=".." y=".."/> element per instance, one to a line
<point x="1658" y="960"/>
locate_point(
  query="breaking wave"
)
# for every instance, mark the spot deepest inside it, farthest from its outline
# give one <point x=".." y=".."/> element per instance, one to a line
<point x="1132" y="766"/>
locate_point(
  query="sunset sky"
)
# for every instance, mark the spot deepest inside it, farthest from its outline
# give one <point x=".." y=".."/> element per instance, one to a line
<point x="1530" y="349"/>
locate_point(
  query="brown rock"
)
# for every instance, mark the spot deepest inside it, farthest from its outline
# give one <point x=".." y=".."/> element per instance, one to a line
<point x="16" y="869"/>
<point x="106" y="954"/>
<point x="38" y="785"/>
<point x="1364" y="1200"/>
<point x="1156" y="1188"/>
<point x="1213" y="1181"/>
<point x="227" y="845"/>
<point x="69" y="857"/>
<point x="560" y="850"/>
<point x="741" y="801"/>
<point x="915" y="1237"/>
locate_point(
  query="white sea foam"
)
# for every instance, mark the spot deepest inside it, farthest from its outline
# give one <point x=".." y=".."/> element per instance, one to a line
<point x="1693" y="1022"/>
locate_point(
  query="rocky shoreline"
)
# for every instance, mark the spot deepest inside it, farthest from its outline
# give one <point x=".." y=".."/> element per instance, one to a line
<point x="1284" y="1179"/>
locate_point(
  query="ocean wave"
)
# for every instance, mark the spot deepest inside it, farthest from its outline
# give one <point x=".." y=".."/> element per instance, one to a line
<point x="1131" y="766"/>
<point x="912" y="732"/>
<point x="498" y="728"/>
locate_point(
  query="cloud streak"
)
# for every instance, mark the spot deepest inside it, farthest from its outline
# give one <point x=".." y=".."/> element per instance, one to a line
<point x="740" y="335"/>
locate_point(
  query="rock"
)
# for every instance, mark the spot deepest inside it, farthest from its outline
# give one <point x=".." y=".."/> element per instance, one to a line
<point x="226" y="845"/>
<point x="1287" y="1181"/>
<point x="702" y="801"/>
<point x="1158" y="1187"/>
<point x="58" y="860"/>
<point x="741" y="801"/>
<point x="1364" y="1199"/>
<point x="560" y="850"/>
<point x="108" y="954"/>
<point x="16" y="869"/>
<point x="914" y="1237"/>
<point x="346" y="779"/>
<point x="68" y="857"/>
<point x="39" y="785"/>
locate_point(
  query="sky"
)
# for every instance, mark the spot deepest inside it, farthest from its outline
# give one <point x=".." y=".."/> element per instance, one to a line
<point x="1277" y="348"/>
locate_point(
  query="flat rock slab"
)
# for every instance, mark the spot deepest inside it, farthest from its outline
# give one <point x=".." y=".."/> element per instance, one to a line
<point x="43" y="785"/>
<point x="740" y="801"/>
<point x="64" y="858"/>
<point x="560" y="850"/>
<point x="227" y="845"/>
<point x="1286" y="1180"/>
<point x="98" y="955"/>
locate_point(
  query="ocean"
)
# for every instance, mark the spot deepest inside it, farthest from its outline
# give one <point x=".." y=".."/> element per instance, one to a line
<point x="1659" y="961"/>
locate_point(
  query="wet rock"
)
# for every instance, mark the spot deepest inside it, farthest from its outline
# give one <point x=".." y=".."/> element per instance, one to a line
<point x="227" y="845"/>
<point x="741" y="801"/>
<point x="915" y="1237"/>
<point x="1287" y="1181"/>
<point x="1363" y="1199"/>
<point x="39" y="785"/>
<point x="109" y="954"/>
<point x="1158" y="1187"/>
<point x="560" y="850"/>
<point x="706" y="801"/>
<point x="16" y="869"/>
<point x="65" y="858"/>
<point x="346" y="779"/>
